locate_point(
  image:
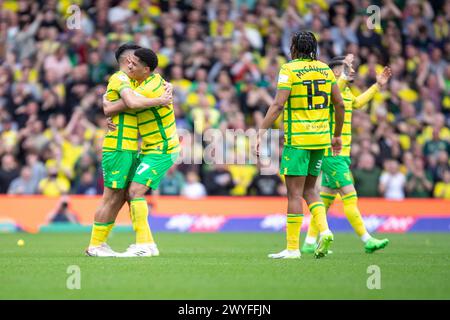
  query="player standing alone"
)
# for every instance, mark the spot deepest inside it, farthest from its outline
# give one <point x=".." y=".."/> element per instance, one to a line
<point x="306" y="88"/>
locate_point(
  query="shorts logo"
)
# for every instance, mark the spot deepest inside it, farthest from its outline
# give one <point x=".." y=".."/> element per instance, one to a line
<point x="319" y="164"/>
<point x="115" y="172"/>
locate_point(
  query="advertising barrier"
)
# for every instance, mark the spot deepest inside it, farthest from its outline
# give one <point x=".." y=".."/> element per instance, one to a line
<point x="233" y="214"/>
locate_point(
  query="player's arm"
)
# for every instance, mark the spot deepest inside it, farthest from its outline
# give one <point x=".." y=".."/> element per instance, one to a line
<point x="134" y="101"/>
<point x="137" y="102"/>
<point x="284" y="86"/>
<point x="275" y="108"/>
<point x="339" y="113"/>
<point x="111" y="108"/>
<point x="273" y="113"/>
<point x="368" y="95"/>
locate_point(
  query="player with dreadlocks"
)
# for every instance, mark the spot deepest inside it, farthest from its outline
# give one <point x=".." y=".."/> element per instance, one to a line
<point x="306" y="89"/>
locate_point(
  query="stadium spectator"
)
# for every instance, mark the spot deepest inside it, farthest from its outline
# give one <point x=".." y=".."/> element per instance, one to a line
<point x="266" y="185"/>
<point x="366" y="176"/>
<point x="242" y="175"/>
<point x="442" y="189"/>
<point x="8" y="172"/>
<point x="439" y="166"/>
<point x="193" y="189"/>
<point x="120" y="13"/>
<point x="432" y="147"/>
<point x="219" y="181"/>
<point x="62" y="213"/>
<point x="419" y="181"/>
<point x="222" y="58"/>
<point x="172" y="183"/>
<point x="87" y="184"/>
<point x="23" y="184"/>
<point x="392" y="181"/>
<point x="54" y="185"/>
<point x="38" y="170"/>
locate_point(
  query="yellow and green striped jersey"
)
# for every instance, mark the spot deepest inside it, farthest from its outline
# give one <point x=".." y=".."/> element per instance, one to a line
<point x="346" y="135"/>
<point x="157" y="126"/>
<point x="307" y="110"/>
<point x="350" y="102"/>
<point x="125" y="137"/>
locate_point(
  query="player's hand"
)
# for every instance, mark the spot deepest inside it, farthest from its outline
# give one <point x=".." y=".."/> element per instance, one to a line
<point x="348" y="62"/>
<point x="384" y="76"/>
<point x="336" y="145"/>
<point x="167" y="97"/>
<point x="111" y="125"/>
<point x="105" y="101"/>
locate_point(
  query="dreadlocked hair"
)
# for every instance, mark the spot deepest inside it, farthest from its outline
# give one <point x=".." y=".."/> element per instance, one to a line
<point x="304" y="45"/>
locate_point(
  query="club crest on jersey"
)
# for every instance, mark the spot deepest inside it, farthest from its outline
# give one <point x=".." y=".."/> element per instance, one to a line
<point x="283" y="78"/>
<point x="123" y="77"/>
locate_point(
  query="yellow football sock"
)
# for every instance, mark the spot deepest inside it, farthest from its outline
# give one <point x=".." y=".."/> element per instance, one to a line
<point x="293" y="226"/>
<point x="319" y="215"/>
<point x="139" y="213"/>
<point x="327" y="199"/>
<point x="352" y="213"/>
<point x="100" y="232"/>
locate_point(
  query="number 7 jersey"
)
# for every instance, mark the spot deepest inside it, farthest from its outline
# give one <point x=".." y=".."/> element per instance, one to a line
<point x="307" y="111"/>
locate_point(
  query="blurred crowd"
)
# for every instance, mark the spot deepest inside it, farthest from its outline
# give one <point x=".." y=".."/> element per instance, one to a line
<point x="223" y="59"/>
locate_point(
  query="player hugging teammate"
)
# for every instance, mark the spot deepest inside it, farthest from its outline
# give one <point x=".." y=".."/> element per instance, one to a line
<point x="139" y="101"/>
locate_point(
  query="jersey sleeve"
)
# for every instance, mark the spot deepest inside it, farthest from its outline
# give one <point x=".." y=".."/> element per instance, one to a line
<point x="364" y="98"/>
<point x="123" y="82"/>
<point x="117" y="82"/>
<point x="284" y="79"/>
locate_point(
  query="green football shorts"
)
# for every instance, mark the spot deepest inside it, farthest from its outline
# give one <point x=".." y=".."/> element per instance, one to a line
<point x="152" y="168"/>
<point x="336" y="172"/>
<point x="301" y="162"/>
<point x="118" y="168"/>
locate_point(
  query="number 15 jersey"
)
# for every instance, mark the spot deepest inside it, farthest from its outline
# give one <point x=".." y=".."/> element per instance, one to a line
<point x="307" y="111"/>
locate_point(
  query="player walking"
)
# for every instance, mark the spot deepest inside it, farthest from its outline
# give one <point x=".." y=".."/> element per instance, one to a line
<point x="306" y="88"/>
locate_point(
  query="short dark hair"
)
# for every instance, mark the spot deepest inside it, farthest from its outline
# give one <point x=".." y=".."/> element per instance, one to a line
<point x="304" y="45"/>
<point x="125" y="47"/>
<point x="336" y="61"/>
<point x="148" y="57"/>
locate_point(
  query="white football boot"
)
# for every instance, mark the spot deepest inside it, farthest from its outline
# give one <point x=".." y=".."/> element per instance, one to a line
<point x="103" y="250"/>
<point x="286" y="254"/>
<point x="140" y="250"/>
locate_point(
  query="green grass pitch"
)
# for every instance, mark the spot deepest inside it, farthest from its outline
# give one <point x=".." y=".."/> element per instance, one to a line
<point x="223" y="266"/>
